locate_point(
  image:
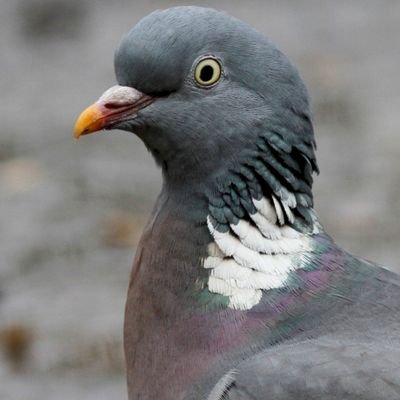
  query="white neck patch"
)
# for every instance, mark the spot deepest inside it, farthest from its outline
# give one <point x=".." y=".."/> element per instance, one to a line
<point x="250" y="258"/>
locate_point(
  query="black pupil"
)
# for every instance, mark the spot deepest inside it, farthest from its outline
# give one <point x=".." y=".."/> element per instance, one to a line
<point x="206" y="73"/>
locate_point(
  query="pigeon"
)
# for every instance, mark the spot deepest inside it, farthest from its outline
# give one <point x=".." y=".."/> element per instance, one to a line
<point x="237" y="292"/>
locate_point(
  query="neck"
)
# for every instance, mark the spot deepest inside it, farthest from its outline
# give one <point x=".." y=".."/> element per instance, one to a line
<point x="227" y="259"/>
<point x="179" y="301"/>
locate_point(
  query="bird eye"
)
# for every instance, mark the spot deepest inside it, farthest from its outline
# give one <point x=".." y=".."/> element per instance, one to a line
<point x="208" y="72"/>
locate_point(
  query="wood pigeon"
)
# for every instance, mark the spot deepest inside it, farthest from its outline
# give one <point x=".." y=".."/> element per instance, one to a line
<point x="237" y="292"/>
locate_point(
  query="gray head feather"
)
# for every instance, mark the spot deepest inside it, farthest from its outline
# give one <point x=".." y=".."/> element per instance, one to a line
<point x="257" y="112"/>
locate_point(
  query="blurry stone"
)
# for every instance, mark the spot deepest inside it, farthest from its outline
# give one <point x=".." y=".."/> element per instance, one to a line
<point x="19" y="175"/>
<point x="16" y="341"/>
<point x="122" y="229"/>
<point x="335" y="108"/>
<point x="7" y="150"/>
<point x="331" y="100"/>
<point x="34" y="257"/>
<point x="104" y="354"/>
<point x="100" y="354"/>
<point x="44" y="20"/>
<point x="326" y="69"/>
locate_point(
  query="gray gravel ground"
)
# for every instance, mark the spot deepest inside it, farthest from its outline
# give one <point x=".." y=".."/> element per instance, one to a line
<point x="71" y="212"/>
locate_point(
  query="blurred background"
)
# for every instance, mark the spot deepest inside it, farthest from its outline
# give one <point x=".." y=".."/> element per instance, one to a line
<point x="71" y="213"/>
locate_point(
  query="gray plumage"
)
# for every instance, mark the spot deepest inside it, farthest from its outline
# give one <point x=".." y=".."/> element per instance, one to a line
<point x="317" y="369"/>
<point x="200" y="127"/>
<point x="237" y="292"/>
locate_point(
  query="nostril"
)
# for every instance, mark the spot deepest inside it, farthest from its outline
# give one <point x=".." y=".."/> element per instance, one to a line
<point x="112" y="106"/>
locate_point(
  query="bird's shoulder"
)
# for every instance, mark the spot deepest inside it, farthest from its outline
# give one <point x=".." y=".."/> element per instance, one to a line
<point x="328" y="368"/>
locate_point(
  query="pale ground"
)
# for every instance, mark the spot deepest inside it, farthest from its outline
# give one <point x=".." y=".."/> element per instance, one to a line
<point x="71" y="212"/>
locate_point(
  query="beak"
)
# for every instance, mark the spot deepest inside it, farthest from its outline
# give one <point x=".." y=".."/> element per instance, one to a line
<point x="116" y="104"/>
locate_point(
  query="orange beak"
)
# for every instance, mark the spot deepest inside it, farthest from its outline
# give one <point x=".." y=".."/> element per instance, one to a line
<point x="116" y="104"/>
<point x="92" y="119"/>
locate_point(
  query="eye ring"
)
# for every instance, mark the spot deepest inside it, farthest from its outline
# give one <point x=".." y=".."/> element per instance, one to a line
<point x="208" y="72"/>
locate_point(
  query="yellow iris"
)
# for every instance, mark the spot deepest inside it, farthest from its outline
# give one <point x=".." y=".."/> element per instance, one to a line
<point x="208" y="72"/>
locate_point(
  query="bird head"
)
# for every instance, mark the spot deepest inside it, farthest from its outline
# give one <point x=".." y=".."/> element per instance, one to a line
<point x="199" y="87"/>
